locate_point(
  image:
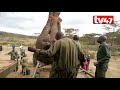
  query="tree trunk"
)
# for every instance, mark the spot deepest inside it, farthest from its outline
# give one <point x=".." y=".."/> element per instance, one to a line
<point x="48" y="33"/>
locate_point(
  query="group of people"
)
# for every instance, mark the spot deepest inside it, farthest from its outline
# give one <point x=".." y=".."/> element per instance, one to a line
<point x="14" y="54"/>
<point x="69" y="57"/>
<point x="20" y="58"/>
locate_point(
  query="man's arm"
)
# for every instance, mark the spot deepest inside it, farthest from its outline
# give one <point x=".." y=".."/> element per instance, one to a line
<point x="106" y="53"/>
<point x="81" y="56"/>
<point x="9" y="53"/>
<point x="50" y="52"/>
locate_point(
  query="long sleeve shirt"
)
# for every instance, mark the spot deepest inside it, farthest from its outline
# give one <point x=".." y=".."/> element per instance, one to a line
<point x="68" y="53"/>
<point x="103" y="54"/>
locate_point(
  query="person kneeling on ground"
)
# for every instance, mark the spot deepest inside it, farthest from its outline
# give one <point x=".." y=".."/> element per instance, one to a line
<point x="25" y="69"/>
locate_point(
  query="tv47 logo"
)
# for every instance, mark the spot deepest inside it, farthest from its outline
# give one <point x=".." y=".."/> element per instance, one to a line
<point x="103" y="19"/>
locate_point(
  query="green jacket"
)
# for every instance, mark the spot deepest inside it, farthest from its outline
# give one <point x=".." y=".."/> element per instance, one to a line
<point x="67" y="52"/>
<point x="78" y="43"/>
<point x="103" y="54"/>
<point x="14" y="55"/>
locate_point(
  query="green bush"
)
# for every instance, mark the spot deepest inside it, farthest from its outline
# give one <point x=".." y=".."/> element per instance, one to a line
<point x="115" y="53"/>
<point x="4" y="43"/>
<point x="115" y="48"/>
<point x="90" y="47"/>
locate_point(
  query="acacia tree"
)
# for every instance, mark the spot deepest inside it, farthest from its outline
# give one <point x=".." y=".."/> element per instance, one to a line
<point x="70" y="32"/>
<point x="90" y="38"/>
<point x="112" y="34"/>
<point x="113" y="38"/>
<point x="114" y="27"/>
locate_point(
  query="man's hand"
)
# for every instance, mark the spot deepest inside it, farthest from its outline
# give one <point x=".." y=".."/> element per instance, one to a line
<point x="96" y="63"/>
<point x="31" y="49"/>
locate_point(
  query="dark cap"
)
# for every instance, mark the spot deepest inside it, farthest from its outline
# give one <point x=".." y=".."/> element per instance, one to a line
<point x="76" y="37"/>
<point x="102" y="38"/>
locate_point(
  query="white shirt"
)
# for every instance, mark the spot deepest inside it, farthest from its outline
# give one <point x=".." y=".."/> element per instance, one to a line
<point x="21" y="47"/>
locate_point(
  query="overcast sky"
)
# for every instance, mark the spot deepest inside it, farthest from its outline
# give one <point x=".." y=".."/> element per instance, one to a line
<point x="28" y="23"/>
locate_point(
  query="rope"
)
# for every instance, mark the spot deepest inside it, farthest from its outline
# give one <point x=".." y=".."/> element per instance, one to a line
<point x="54" y="18"/>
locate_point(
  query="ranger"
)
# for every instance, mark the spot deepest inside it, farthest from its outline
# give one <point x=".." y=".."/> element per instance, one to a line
<point x="66" y="57"/>
<point x="76" y="38"/>
<point x="13" y="54"/>
<point x="103" y="57"/>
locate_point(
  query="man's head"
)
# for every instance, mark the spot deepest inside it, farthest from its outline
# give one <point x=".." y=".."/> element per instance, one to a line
<point x="59" y="35"/>
<point x="75" y="37"/>
<point x="102" y="39"/>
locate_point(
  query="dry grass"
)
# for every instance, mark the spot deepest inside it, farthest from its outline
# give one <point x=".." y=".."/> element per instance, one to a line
<point x="17" y="39"/>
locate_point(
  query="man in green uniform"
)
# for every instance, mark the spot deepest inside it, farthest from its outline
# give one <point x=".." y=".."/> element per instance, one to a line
<point x="103" y="57"/>
<point x="13" y="54"/>
<point x="76" y="39"/>
<point x="66" y="57"/>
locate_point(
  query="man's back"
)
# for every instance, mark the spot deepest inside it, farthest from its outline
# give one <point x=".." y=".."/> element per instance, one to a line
<point x="68" y="54"/>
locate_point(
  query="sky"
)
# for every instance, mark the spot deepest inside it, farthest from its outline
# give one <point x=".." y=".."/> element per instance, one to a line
<point x="28" y="23"/>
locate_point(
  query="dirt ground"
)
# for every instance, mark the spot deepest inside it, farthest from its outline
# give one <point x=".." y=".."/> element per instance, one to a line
<point x="113" y="70"/>
<point x="17" y="74"/>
